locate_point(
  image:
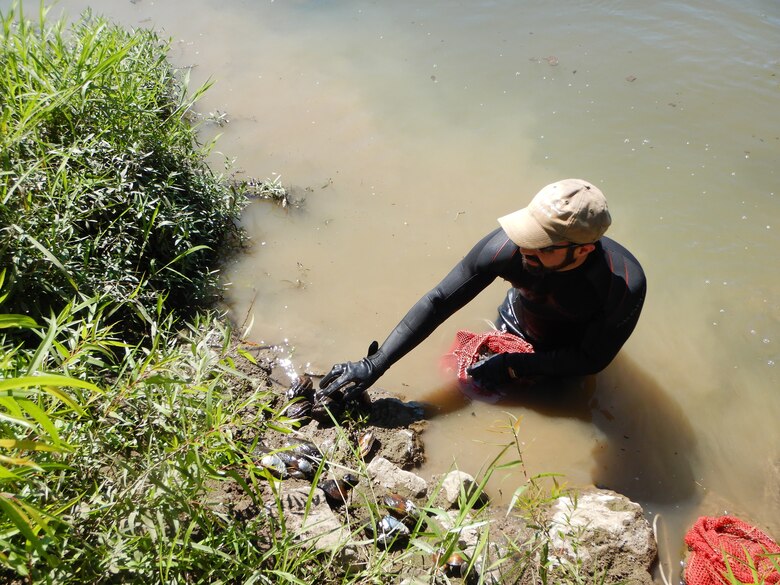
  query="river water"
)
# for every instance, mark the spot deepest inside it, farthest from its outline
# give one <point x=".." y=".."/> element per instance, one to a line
<point x="409" y="127"/>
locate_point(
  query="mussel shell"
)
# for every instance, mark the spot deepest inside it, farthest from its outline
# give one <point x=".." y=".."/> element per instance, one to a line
<point x="389" y="530"/>
<point x="389" y="525"/>
<point x="305" y="449"/>
<point x="335" y="490"/>
<point x="275" y="465"/>
<point x="299" y="410"/>
<point x="400" y="507"/>
<point x="454" y="566"/>
<point x="366" y="444"/>
<point x="303" y="464"/>
<point x="303" y="387"/>
<point x="293" y="460"/>
<point x="350" y="479"/>
<point x="327" y="409"/>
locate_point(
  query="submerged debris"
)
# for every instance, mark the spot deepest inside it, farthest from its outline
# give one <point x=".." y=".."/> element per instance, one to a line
<point x="270" y="190"/>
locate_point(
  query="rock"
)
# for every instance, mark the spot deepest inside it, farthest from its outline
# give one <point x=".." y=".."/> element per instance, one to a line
<point x="394" y="479"/>
<point x="468" y="532"/>
<point x="419" y="580"/>
<point x="605" y="533"/>
<point x="451" y="486"/>
<point x="400" y="446"/>
<point x="390" y="412"/>
<point x="319" y="524"/>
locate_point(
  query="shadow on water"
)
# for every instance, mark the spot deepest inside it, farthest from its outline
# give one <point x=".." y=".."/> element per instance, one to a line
<point x="648" y="443"/>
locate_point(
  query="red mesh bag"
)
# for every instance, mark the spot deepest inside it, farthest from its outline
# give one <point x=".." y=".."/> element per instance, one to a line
<point x="469" y="348"/>
<point x="715" y="540"/>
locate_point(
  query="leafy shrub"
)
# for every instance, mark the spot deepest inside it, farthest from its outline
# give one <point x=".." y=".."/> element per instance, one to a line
<point x="104" y="188"/>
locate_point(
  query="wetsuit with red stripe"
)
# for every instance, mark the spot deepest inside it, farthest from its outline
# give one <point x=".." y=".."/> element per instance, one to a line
<point x="577" y="320"/>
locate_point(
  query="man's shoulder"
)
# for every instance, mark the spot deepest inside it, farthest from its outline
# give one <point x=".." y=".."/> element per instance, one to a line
<point x="621" y="262"/>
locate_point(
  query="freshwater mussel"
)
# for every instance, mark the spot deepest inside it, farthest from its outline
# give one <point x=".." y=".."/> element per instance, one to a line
<point x="327" y="409"/>
<point x="452" y="565"/>
<point x="284" y="463"/>
<point x="389" y="530"/>
<point x="303" y="388"/>
<point x="274" y="464"/>
<point x="401" y="508"/>
<point x="301" y="399"/>
<point x="297" y="466"/>
<point x="305" y="449"/>
<point x="366" y="444"/>
<point x="336" y="490"/>
<point x="300" y="411"/>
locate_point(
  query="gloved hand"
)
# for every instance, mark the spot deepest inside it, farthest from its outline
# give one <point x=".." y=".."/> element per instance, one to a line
<point x="493" y="371"/>
<point x="352" y="378"/>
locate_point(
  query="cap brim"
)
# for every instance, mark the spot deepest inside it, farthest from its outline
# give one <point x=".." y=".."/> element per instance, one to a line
<point x="526" y="232"/>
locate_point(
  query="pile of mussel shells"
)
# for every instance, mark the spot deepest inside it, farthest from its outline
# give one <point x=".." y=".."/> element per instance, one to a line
<point x="301" y="459"/>
<point x="300" y="398"/>
<point x="298" y="459"/>
<point x="303" y="406"/>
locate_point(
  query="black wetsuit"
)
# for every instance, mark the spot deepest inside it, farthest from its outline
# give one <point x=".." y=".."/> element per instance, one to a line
<point x="577" y="320"/>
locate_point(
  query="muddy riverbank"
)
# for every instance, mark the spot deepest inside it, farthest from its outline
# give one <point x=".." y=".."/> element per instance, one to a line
<point x="349" y="487"/>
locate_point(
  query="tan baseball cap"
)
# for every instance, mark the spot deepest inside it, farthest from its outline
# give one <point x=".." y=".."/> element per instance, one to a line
<point x="571" y="210"/>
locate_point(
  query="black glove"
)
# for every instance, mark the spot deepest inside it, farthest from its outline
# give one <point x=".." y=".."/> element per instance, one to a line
<point x="352" y="378"/>
<point x="495" y="370"/>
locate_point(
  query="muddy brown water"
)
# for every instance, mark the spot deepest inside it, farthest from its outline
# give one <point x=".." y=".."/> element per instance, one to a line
<point x="409" y="127"/>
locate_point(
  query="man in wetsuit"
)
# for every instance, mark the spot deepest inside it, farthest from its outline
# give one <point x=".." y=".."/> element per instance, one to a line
<point x="576" y="295"/>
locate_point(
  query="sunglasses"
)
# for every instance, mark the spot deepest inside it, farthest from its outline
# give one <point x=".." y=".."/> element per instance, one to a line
<point x="558" y="247"/>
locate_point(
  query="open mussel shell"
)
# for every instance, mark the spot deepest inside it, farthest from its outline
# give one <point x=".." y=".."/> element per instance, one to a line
<point x="390" y="530"/>
<point x="400" y="507"/>
<point x="303" y="387"/>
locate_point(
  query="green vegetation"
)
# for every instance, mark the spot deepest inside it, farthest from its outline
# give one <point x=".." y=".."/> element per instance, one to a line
<point x="115" y="405"/>
<point x="103" y="187"/>
<point x="124" y="399"/>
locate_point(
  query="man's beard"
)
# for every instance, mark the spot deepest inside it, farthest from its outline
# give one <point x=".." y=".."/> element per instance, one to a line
<point x="540" y="269"/>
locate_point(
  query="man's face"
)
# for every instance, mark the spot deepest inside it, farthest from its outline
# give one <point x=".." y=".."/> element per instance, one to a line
<point x="551" y="259"/>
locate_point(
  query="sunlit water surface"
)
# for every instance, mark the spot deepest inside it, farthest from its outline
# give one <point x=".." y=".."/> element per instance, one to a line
<point x="409" y="127"/>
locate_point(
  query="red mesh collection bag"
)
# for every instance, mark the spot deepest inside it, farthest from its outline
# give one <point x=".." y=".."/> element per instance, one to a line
<point x="469" y="348"/>
<point x="714" y="541"/>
